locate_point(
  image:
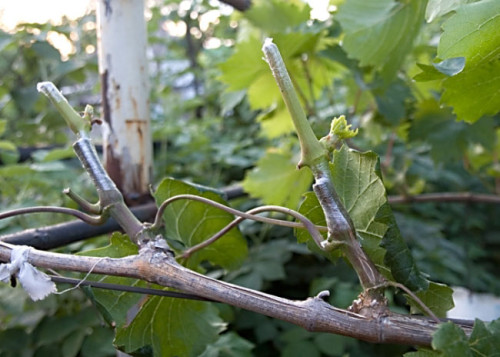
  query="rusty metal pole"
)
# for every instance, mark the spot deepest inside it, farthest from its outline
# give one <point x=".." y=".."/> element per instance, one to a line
<point x="127" y="145"/>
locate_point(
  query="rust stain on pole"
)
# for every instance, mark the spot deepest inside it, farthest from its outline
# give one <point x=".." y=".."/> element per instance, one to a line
<point x="106" y="110"/>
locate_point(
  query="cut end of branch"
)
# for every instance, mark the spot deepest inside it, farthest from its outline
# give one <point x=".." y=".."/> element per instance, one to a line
<point x="50" y="91"/>
<point x="267" y="43"/>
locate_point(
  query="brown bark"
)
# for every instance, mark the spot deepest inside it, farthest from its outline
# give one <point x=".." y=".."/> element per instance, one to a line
<point x="314" y="314"/>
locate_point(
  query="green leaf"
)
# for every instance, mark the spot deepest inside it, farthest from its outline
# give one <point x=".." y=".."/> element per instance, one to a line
<point x="360" y="188"/>
<point x="473" y="33"/>
<point x="54" y="329"/>
<point x="229" y="345"/>
<point x="311" y="208"/>
<point x="475" y="92"/>
<point x="358" y="184"/>
<point x="98" y="343"/>
<point x="73" y="343"/>
<point x="391" y="101"/>
<point x="263" y="264"/>
<point x="429" y="73"/>
<point x="244" y="66"/>
<point x="300" y="348"/>
<point x="484" y="340"/>
<point x="380" y="33"/>
<point x="14" y="340"/>
<point x="277" y="181"/>
<point x="451" y="340"/>
<point x="7" y="145"/>
<point x="192" y="222"/>
<point x="59" y="154"/>
<point x="171" y="327"/>
<point x="362" y="192"/>
<point x="437" y="297"/>
<point x="398" y="257"/>
<point x="448" y="138"/>
<point x="422" y="353"/>
<point x="276" y="122"/>
<point x="115" y="305"/>
<point x="3" y="126"/>
<point x="229" y="100"/>
<point x="277" y="15"/>
<point x="120" y="246"/>
<point x="437" y="8"/>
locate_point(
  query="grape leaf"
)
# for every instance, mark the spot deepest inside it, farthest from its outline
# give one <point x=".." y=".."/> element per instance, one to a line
<point x="391" y="101"/>
<point x="380" y="33"/>
<point x="362" y="192"/>
<point x="171" y="327"/>
<point x="276" y="122"/>
<point x="475" y="92"/>
<point x="398" y="257"/>
<point x="192" y="222"/>
<point x="437" y="297"/>
<point x="244" y="66"/>
<point x="360" y="188"/>
<point x="472" y="32"/>
<point x="451" y="340"/>
<point x="114" y="305"/>
<point x="485" y="340"/>
<point x="277" y="181"/>
<point x="422" y="353"/>
<point x="229" y="344"/>
<point x="448" y="138"/>
<point x="277" y="15"/>
<point x="437" y="8"/>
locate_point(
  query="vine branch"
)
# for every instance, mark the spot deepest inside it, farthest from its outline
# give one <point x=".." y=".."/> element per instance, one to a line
<point x="158" y="266"/>
<point x="314" y="155"/>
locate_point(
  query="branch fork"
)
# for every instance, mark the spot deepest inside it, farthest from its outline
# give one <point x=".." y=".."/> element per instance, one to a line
<point x="156" y="263"/>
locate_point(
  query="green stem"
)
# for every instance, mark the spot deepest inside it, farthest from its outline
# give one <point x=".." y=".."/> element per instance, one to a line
<point x="341" y="231"/>
<point x="110" y="198"/>
<point x="75" y="122"/>
<point x="311" y="149"/>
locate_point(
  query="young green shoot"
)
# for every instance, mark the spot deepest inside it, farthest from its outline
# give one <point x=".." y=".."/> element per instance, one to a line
<point x="311" y="149"/>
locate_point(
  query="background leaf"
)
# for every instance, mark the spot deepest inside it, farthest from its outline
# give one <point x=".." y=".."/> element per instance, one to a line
<point x="115" y="305"/>
<point x="277" y="181"/>
<point x="448" y="138"/>
<point x="171" y="327"/>
<point x="473" y="33"/>
<point x="380" y="33"/>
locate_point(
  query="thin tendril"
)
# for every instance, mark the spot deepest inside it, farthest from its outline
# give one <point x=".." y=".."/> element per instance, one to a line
<point x="305" y="222"/>
<point x="313" y="230"/>
<point x="94" y="220"/>
<point x="416" y="298"/>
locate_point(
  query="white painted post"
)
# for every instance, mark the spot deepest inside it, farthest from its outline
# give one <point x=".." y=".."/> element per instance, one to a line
<point x="123" y="67"/>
